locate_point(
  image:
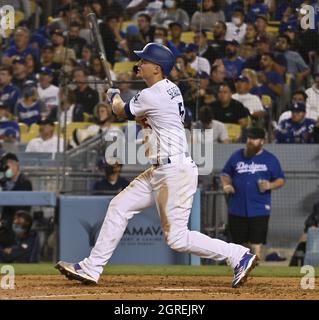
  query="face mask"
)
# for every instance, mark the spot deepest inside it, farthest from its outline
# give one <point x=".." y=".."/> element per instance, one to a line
<point x="158" y="40"/>
<point x="236" y="21"/>
<point x="8" y="173"/>
<point x="169" y="4"/>
<point x="18" y="229"/>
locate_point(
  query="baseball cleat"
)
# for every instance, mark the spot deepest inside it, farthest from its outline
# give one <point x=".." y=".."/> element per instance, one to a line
<point x="247" y="263"/>
<point x="74" y="272"/>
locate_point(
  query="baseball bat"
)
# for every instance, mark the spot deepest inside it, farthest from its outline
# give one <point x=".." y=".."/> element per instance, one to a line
<point x="100" y="47"/>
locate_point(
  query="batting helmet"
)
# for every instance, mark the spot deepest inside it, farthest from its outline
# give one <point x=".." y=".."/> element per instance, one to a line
<point x="158" y="54"/>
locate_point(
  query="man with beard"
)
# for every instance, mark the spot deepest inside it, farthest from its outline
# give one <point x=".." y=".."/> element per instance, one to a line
<point x="232" y="62"/>
<point x="248" y="178"/>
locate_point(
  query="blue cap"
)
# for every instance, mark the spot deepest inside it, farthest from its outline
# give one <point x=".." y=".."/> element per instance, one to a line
<point x="298" y="107"/>
<point x="19" y="59"/>
<point x="242" y="78"/>
<point x="132" y="29"/>
<point x="191" y="48"/>
<point x="46" y="70"/>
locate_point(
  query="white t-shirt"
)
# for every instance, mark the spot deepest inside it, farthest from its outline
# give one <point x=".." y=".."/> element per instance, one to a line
<point x="250" y="101"/>
<point x="69" y="115"/>
<point x="287" y="115"/>
<point x="162" y="109"/>
<point x="220" y="133"/>
<point x="313" y="101"/>
<point x="40" y="145"/>
<point x="201" y="64"/>
<point x="235" y="33"/>
<point x="50" y="96"/>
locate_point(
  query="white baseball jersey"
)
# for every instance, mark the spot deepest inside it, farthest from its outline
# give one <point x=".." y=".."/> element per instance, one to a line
<point x="162" y="110"/>
<point x="49" y="95"/>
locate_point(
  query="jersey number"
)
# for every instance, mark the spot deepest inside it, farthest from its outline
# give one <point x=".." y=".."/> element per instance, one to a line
<point x="181" y="110"/>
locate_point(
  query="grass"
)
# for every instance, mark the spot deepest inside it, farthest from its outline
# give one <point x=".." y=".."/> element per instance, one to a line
<point x="165" y="270"/>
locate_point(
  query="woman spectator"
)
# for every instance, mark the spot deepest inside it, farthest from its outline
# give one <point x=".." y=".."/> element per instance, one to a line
<point x="208" y="18"/>
<point x="251" y="34"/>
<point x="171" y="13"/>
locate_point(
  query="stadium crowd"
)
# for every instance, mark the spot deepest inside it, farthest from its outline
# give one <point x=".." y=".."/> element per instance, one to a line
<point x="245" y="63"/>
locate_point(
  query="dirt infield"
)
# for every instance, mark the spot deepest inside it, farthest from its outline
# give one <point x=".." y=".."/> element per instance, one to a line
<point x="157" y="287"/>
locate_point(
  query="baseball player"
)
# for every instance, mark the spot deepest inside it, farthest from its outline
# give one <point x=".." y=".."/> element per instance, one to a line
<point x="170" y="182"/>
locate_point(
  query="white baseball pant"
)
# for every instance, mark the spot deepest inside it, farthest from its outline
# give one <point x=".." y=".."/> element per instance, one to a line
<point x="171" y="187"/>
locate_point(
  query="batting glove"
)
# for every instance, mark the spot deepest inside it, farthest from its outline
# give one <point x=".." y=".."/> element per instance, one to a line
<point x="111" y="93"/>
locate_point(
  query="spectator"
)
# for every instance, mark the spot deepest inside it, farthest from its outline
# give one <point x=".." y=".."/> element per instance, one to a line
<point x="126" y="92"/>
<point x="232" y="62"/>
<point x="61" y="52"/>
<point x="31" y="64"/>
<point x="75" y="41"/>
<point x="219" y="43"/>
<point x="47" y="57"/>
<point x="171" y="12"/>
<point x="206" y="121"/>
<point x="236" y="29"/>
<point x="134" y="41"/>
<point x="85" y="95"/>
<point x="256" y="8"/>
<point x="312" y="222"/>
<point x="114" y="40"/>
<point x="207" y="18"/>
<point x="299" y="96"/>
<point x="146" y="29"/>
<point x="9" y="93"/>
<point x="25" y="249"/>
<point x="175" y="29"/>
<point x="161" y="37"/>
<point x="263" y="47"/>
<point x="249" y="101"/>
<point x="86" y="57"/>
<point x="261" y="24"/>
<point x="297" y="129"/>
<point x="29" y="108"/>
<point x="70" y="111"/>
<point x="13" y="180"/>
<point x="20" y="73"/>
<point x="313" y="97"/>
<point x="251" y="34"/>
<point x="103" y="124"/>
<point x="248" y="177"/>
<point x="111" y="6"/>
<point x="296" y="66"/>
<point x="47" y="141"/>
<point x="247" y="50"/>
<point x="21" y="47"/>
<point x="218" y="77"/>
<point x="48" y="93"/>
<point x="9" y="129"/>
<point x="112" y="180"/>
<point x="204" y="50"/>
<point x="271" y="82"/>
<point x="199" y="64"/>
<point x="228" y="110"/>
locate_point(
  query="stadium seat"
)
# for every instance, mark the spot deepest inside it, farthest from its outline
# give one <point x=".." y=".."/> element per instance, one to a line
<point x="76" y="125"/>
<point x="23" y="128"/>
<point x="33" y="132"/>
<point x="272" y="29"/>
<point x="234" y="131"/>
<point x="188" y="36"/>
<point x="127" y="23"/>
<point x="124" y="66"/>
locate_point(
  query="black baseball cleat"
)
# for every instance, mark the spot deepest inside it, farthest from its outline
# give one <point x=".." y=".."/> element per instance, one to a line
<point x="74" y="272"/>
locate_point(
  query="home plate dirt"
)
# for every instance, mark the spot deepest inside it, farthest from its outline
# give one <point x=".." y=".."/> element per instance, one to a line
<point x="130" y="287"/>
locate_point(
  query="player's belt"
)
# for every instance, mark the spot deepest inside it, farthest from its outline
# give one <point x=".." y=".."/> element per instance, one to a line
<point x="171" y="159"/>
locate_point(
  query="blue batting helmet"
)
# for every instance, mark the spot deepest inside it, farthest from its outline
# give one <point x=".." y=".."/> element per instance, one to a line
<point x="158" y="54"/>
